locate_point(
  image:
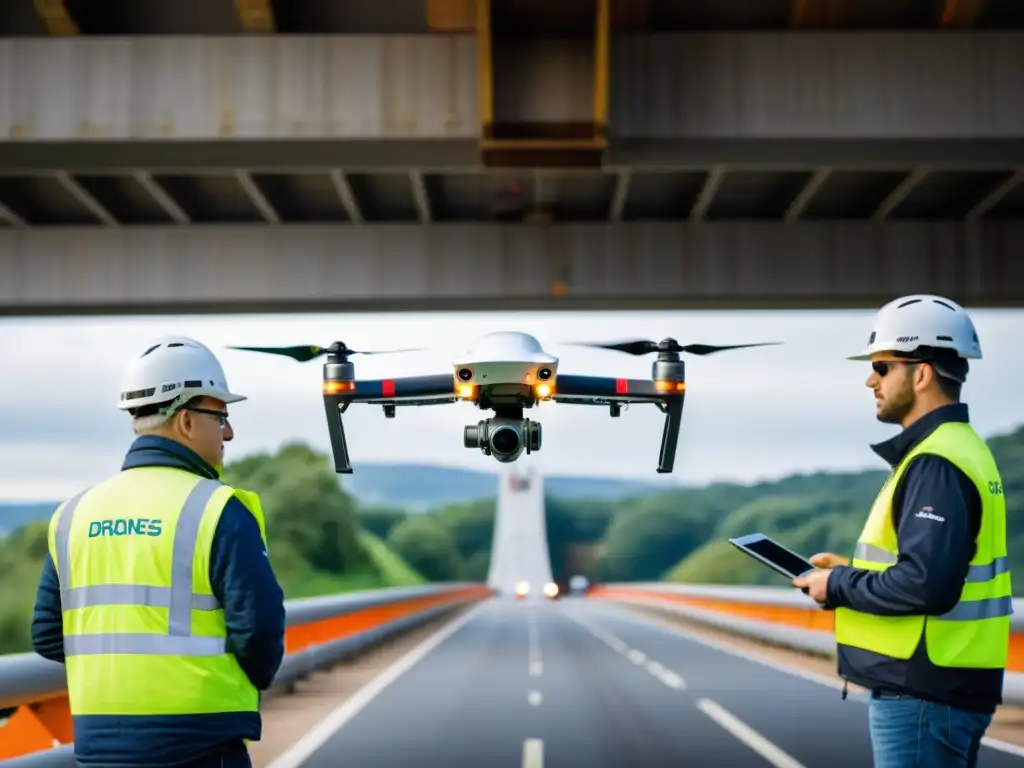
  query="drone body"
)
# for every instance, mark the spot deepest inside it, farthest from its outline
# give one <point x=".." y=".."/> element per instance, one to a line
<point x="505" y="372"/>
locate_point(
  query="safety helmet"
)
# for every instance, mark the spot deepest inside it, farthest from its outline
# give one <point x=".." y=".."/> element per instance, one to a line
<point x="170" y="371"/>
<point x="939" y="325"/>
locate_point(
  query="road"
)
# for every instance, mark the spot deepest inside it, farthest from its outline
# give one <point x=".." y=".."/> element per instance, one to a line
<point x="537" y="684"/>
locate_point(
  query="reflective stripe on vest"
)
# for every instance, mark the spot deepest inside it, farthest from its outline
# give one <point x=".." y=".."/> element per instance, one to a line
<point x="965" y="610"/>
<point x="179" y="597"/>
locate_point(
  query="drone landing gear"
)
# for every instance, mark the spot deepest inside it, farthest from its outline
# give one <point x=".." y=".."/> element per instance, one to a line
<point x="335" y="406"/>
<point x="673" y="410"/>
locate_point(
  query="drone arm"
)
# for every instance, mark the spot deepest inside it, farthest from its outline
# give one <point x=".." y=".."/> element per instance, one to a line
<point x="409" y="390"/>
<point x="601" y="390"/>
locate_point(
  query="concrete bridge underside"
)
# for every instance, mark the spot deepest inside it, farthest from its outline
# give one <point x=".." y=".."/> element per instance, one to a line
<point x="458" y="154"/>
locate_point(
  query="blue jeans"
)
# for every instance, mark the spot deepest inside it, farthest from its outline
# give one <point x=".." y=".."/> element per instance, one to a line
<point x="911" y="733"/>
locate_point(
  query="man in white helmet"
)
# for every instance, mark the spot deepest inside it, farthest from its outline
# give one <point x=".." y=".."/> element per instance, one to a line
<point x="923" y="608"/>
<point x="158" y="595"/>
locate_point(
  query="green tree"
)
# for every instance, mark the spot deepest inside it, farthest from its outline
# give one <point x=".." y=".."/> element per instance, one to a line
<point x="380" y="520"/>
<point x="471" y="524"/>
<point x="428" y="545"/>
<point x="308" y="514"/>
<point x="648" y="540"/>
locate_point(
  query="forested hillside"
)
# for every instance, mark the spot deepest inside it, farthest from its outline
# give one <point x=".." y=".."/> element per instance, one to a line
<point x="317" y="543"/>
<point x="681" y="535"/>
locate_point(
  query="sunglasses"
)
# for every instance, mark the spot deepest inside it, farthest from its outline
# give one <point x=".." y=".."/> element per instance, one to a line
<point x="882" y="367"/>
<point x="222" y="417"/>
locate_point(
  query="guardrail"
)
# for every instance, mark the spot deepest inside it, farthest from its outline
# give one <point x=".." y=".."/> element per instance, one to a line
<point x="780" y="616"/>
<point x="319" y="632"/>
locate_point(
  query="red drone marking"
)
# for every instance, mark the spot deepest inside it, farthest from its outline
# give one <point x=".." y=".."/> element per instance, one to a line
<point x="387" y="388"/>
<point x="621" y="386"/>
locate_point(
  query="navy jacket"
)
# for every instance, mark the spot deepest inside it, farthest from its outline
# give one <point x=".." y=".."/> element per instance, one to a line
<point x="928" y="576"/>
<point x="253" y="603"/>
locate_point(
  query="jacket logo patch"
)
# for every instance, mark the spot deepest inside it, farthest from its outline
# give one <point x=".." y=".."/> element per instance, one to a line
<point x="928" y="513"/>
<point x="139" y="526"/>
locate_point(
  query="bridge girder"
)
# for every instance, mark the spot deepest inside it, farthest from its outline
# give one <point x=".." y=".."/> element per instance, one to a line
<point x="483" y="267"/>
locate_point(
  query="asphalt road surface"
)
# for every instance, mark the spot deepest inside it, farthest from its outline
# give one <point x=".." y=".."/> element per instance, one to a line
<point x="537" y="684"/>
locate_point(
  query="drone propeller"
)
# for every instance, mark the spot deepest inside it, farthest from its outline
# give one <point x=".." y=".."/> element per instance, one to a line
<point x="646" y="346"/>
<point x="304" y="354"/>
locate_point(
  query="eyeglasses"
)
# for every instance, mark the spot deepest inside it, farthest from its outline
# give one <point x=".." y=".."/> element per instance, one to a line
<point x="222" y="417"/>
<point x="882" y="367"/>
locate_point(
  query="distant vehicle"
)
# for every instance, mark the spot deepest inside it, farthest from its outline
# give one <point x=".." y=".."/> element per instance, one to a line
<point x="522" y="589"/>
<point x="551" y="590"/>
<point x="578" y="585"/>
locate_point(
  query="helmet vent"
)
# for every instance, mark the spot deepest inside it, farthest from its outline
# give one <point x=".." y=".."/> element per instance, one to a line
<point x="908" y="303"/>
<point x="194" y="383"/>
<point x="175" y="344"/>
<point x="944" y="304"/>
<point x="155" y="346"/>
<point x="944" y="338"/>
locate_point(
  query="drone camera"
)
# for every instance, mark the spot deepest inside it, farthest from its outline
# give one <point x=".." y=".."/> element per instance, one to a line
<point x="465" y="374"/>
<point x="544" y="374"/>
<point x="504" y="438"/>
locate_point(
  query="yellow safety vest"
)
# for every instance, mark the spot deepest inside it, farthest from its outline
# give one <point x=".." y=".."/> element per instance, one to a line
<point x="143" y="632"/>
<point x="976" y="632"/>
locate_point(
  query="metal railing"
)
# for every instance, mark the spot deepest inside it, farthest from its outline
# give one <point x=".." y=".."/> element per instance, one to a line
<point x="314" y="639"/>
<point x="780" y="616"/>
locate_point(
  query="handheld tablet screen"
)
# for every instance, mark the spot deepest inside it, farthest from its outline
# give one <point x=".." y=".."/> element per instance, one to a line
<point x="785" y="559"/>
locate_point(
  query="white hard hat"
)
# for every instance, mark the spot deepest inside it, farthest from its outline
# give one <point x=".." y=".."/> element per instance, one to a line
<point x="170" y="371"/>
<point x="922" y="320"/>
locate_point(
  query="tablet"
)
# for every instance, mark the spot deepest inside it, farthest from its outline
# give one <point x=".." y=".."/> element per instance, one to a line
<point x="772" y="554"/>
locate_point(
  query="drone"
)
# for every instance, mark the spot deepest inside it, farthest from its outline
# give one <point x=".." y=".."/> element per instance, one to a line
<point x="506" y="372"/>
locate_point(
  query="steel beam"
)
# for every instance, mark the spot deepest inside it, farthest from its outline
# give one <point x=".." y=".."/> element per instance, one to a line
<point x="339" y="87"/>
<point x="488" y="267"/>
<point x="361" y="88"/>
<point x="460" y="156"/>
<point x="818" y="85"/>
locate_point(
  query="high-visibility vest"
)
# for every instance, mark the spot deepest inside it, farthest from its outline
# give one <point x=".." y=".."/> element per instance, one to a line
<point x="976" y="632"/>
<point x="143" y="632"/>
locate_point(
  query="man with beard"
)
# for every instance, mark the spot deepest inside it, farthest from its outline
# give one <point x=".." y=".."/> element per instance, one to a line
<point x="922" y="611"/>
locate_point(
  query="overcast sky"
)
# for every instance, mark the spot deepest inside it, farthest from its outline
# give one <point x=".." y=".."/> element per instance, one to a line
<point x="750" y="414"/>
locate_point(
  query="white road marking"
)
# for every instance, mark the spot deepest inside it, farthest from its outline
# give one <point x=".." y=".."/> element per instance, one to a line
<point x="536" y="661"/>
<point x="533" y="753"/>
<point x="662" y="673"/>
<point x="622" y="612"/>
<point x="535" y="698"/>
<point x="637" y="657"/>
<point x="671" y="679"/>
<point x="317" y="736"/>
<point x="747" y="735"/>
